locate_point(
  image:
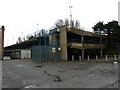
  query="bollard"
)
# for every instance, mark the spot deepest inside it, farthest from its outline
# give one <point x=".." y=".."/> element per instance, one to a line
<point x="106" y="57"/>
<point x="79" y="58"/>
<point x="116" y="68"/>
<point x="96" y="57"/>
<point x="119" y="57"/>
<point x="72" y="57"/>
<point x="88" y="58"/>
<point x="115" y="57"/>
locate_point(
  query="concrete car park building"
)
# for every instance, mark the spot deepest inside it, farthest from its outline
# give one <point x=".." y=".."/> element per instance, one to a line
<point x="21" y="50"/>
<point x="76" y="42"/>
<point x="63" y="43"/>
<point x="1" y="41"/>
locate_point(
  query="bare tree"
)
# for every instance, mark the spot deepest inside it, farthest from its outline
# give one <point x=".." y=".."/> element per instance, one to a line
<point x="16" y="42"/>
<point x="28" y="37"/>
<point x="66" y="22"/>
<point x="77" y="24"/>
<point x="43" y="32"/>
<point x="19" y="39"/>
<point x="23" y="39"/>
<point x="72" y="23"/>
<point x="38" y="34"/>
<point x="59" y="23"/>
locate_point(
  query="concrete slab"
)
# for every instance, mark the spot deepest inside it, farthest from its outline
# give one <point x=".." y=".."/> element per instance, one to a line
<point x="28" y="74"/>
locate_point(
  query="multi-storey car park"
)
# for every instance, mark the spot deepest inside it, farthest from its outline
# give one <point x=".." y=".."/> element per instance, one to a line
<point x="62" y="43"/>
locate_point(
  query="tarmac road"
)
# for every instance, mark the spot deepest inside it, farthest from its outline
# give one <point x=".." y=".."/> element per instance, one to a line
<point x="28" y="74"/>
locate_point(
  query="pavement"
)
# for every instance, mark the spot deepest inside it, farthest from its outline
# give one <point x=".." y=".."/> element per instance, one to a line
<point x="27" y="74"/>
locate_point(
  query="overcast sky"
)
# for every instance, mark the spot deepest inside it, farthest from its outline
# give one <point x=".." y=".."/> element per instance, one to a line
<point x="23" y="15"/>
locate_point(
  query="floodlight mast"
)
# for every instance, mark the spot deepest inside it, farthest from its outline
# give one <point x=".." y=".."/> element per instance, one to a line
<point x="70" y="15"/>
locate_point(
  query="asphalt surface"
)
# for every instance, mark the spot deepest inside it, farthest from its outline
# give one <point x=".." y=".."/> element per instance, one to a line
<point x="27" y="74"/>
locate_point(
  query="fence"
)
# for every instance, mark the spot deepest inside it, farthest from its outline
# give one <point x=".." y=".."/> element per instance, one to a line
<point x="45" y="53"/>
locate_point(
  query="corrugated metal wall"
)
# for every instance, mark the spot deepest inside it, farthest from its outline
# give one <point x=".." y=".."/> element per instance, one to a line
<point x="45" y="53"/>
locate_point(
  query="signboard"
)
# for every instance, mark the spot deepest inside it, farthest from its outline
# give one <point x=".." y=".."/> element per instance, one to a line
<point x="53" y="50"/>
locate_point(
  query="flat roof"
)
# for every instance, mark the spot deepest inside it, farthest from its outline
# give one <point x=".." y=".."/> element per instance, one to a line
<point x="84" y="33"/>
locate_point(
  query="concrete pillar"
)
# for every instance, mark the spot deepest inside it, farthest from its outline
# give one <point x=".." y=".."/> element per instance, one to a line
<point x="96" y="57"/>
<point x="82" y="39"/>
<point x="72" y="57"/>
<point x="119" y="57"/>
<point x="88" y="58"/>
<point x="79" y="58"/>
<point x="106" y="57"/>
<point x="63" y="42"/>
<point x="83" y="54"/>
<point x="101" y="52"/>
<point x="100" y="41"/>
<point x="115" y="57"/>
